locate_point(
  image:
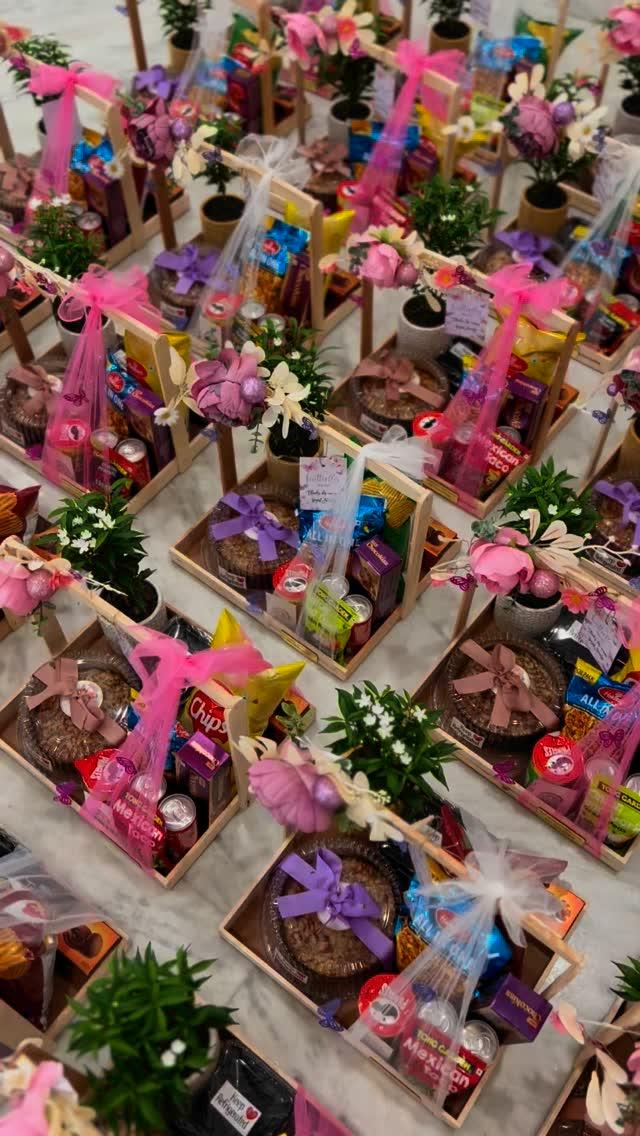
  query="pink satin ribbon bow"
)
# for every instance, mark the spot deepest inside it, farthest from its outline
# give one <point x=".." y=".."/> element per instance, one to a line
<point x="502" y="677"/>
<point x="399" y="376"/>
<point x="41" y="385"/>
<point x="61" y="678"/>
<point x="47" y="80"/>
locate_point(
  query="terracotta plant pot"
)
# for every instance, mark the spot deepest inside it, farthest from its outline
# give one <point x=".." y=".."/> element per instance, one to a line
<point x="285" y="471"/>
<point x="219" y="216"/>
<point x="338" y="125"/>
<point x="629" y="460"/>
<point x="179" y="56"/>
<point x="627" y="120"/>
<point x="120" y="639"/>
<point x="421" y="334"/>
<point x="535" y="216"/>
<point x="515" y="618"/>
<point x="449" y="35"/>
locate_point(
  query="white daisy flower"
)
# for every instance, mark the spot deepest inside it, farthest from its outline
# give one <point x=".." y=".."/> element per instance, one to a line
<point x="168" y="1059"/>
<point x="166" y="415"/>
<point x="465" y="128"/>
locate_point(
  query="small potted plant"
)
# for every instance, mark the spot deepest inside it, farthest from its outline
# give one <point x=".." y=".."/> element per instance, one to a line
<point x="626" y="385"/>
<point x="179" y="20"/>
<point x="295" y="365"/>
<point x="351" y="76"/>
<point x="450" y="218"/>
<point x="144" y="1022"/>
<point x="220" y="213"/>
<point x="96" y="535"/>
<point x="521" y="557"/>
<point x="622" y="29"/>
<point x="448" y="29"/>
<point x="558" y="137"/>
<point x="387" y="737"/>
<point x="44" y="49"/>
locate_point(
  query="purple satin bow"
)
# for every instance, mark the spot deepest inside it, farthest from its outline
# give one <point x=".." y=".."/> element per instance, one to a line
<point x="253" y="515"/>
<point x="191" y="265"/>
<point x="349" y="904"/>
<point x="627" y="495"/>
<point x="529" y="246"/>
<point x="156" y="81"/>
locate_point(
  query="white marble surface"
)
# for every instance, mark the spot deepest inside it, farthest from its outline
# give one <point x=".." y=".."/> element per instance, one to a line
<point x="530" y="1076"/>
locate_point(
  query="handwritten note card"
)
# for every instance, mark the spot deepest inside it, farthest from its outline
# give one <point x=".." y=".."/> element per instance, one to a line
<point x="600" y="635"/>
<point x="323" y="482"/>
<point x="467" y="314"/>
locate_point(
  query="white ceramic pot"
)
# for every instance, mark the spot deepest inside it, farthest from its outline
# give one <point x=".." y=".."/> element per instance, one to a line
<point x="513" y="618"/>
<point x="69" y="338"/>
<point x="120" y="640"/>
<point x="420" y="343"/>
<point x="338" y="128"/>
<point x="625" y="122"/>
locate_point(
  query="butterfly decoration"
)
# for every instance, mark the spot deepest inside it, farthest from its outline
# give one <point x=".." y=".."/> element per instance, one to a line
<point x="474" y="393"/>
<point x="503" y="771"/>
<point x="64" y="792"/>
<point x="609" y="738"/>
<point x="326" y="1015"/>
<point x="602" y="601"/>
<point x="126" y="764"/>
<point x="211" y="433"/>
<point x="463" y="582"/>
<point x="602" y="416"/>
<point x="77" y="399"/>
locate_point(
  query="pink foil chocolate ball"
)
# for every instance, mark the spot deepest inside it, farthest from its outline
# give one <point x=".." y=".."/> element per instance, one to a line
<point x="326" y="794"/>
<point x="39" y="585"/>
<point x="253" y="390"/>
<point x="544" y="584"/>
<point x="406" y="276"/>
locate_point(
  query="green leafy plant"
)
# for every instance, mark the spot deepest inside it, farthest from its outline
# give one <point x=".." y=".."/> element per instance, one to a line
<point x="96" y="535"/>
<point x="226" y="132"/>
<point x="448" y="14"/>
<point x="179" y="20"/>
<point x="291" y="721"/>
<point x="628" y="980"/>
<point x="387" y="736"/>
<point x="46" y="49"/>
<point x="450" y="217"/>
<point x="351" y="78"/>
<point x="549" y="490"/>
<point x="54" y="240"/>
<point x="295" y="345"/>
<point x="146" y="1015"/>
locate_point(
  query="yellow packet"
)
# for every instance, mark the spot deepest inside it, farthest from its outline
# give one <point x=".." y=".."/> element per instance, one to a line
<point x="335" y="227"/>
<point x="632" y="664"/>
<point x="140" y="359"/>
<point x="264" y="691"/>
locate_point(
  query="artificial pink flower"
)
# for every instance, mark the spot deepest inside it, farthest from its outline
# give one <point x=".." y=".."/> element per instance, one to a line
<point x="633" y="1064"/>
<point x="289" y="792"/>
<point x="445" y="277"/>
<point x="624" y="36"/>
<point x="575" y="602"/>
<point x="13" y="588"/>
<point x="302" y="32"/>
<point x="502" y="564"/>
<point x="381" y="265"/>
<point x="536" y="133"/>
<point x="228" y="388"/>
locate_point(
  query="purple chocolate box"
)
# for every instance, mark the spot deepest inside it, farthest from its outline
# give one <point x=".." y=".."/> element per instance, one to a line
<point x="204" y="771"/>
<point x="516" y="1011"/>
<point x="377" y="568"/>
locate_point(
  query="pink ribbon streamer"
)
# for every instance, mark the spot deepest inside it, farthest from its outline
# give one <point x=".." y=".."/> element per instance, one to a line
<point x="377" y="188"/>
<point x="166" y="668"/>
<point x="81" y="406"/>
<point x="477" y="403"/>
<point x="47" y="80"/>
<point x="61" y="678"/>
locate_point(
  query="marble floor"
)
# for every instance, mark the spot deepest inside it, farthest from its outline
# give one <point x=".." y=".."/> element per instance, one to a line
<point x="530" y="1076"/>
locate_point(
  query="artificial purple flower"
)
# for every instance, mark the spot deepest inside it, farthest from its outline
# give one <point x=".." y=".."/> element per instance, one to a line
<point x="534" y="132"/>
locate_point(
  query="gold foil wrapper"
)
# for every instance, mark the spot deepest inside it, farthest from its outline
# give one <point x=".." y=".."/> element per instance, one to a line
<point x="399" y="507"/>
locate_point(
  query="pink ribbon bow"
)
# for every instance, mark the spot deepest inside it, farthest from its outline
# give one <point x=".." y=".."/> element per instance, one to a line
<point x="399" y="376"/>
<point x="61" y="678"/>
<point x="502" y="677"/>
<point x="82" y="403"/>
<point x="41" y="384"/>
<point x="47" y="80"/>
<point x="166" y="668"/>
<point x="378" y="185"/>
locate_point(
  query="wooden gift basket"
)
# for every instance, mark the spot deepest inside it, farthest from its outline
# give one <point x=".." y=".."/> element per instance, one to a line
<point x="91" y="635"/>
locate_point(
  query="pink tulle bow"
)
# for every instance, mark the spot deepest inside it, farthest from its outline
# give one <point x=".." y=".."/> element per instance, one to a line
<point x="47" y="80"/>
<point x="513" y="288"/>
<point x="28" y="1117"/>
<point x="81" y="406"/>
<point x="377" y="188"/>
<point x="166" y="668"/>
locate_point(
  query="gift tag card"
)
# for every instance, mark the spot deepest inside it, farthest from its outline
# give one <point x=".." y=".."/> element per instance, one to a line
<point x="480" y="11"/>
<point x="467" y="313"/>
<point x="323" y="482"/>
<point x="600" y="636"/>
<point x="384" y="92"/>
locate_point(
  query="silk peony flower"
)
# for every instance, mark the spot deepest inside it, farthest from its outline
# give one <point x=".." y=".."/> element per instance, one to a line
<point x="535" y="133"/>
<point x="150" y="134"/>
<point x="502" y="564"/>
<point x="14" y="594"/>
<point x="624" y="36"/>
<point x="381" y="264"/>
<point x="227" y="389"/>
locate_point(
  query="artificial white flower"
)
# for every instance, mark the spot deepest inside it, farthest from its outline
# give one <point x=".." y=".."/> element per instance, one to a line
<point x="64" y="199"/>
<point x="294" y="355"/>
<point x="419" y="713"/>
<point x="83" y="544"/>
<point x="405" y="758"/>
<point x="166" y="415"/>
<point x="63" y="538"/>
<point x="284" y="398"/>
<point x="384" y="731"/>
<point x="526" y="514"/>
<point x="178" y="1046"/>
<point x="79" y="520"/>
<point x="581" y="133"/>
<point x="35" y="202"/>
<point x="168" y="1059"/>
<point x="250" y="348"/>
<point x="385" y="719"/>
<point x="577" y="511"/>
<point x="277" y="342"/>
<point x="369" y="720"/>
<point x="465" y="128"/>
<point x="105" y="520"/>
<point x="363" y="699"/>
<point x="527" y="84"/>
<point x="398" y="748"/>
<point x="552" y="510"/>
